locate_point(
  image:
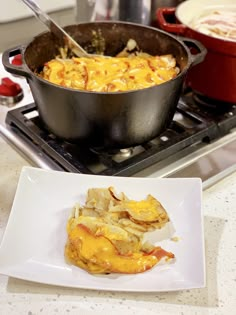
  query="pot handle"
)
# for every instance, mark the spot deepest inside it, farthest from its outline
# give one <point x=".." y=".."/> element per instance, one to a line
<point x="15" y="69"/>
<point x="198" y="50"/>
<point x="175" y="28"/>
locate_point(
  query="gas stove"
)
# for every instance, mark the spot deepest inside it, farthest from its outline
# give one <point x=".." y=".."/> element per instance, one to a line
<point x="200" y="142"/>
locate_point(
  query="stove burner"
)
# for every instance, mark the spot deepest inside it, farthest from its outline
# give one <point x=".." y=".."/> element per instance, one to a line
<point x="210" y="103"/>
<point x="191" y="125"/>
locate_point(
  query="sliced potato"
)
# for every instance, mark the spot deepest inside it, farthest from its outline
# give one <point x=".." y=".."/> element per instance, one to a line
<point x="149" y="210"/>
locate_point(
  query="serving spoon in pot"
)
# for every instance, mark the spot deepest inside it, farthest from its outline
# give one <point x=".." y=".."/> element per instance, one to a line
<point x="57" y="30"/>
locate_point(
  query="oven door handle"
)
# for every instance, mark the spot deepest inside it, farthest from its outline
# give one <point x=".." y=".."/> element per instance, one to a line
<point x="21" y="70"/>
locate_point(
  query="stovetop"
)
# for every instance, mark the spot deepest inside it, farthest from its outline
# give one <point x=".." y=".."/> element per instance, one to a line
<point x="193" y="126"/>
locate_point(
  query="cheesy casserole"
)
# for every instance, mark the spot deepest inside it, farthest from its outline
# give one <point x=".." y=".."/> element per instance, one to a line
<point x="107" y="234"/>
<point x="113" y="74"/>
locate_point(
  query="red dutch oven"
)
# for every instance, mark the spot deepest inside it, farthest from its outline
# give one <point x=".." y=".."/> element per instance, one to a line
<point x="215" y="77"/>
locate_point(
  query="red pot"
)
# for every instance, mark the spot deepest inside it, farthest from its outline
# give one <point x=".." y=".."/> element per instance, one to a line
<point x="215" y="77"/>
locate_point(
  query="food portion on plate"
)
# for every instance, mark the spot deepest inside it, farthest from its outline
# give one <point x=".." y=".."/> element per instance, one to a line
<point x="129" y="70"/>
<point x="217" y="23"/>
<point x="114" y="234"/>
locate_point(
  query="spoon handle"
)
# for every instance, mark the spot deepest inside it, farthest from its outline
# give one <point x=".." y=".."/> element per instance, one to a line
<point x="56" y="29"/>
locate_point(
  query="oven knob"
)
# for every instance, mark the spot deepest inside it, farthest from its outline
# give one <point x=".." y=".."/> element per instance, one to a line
<point x="10" y="92"/>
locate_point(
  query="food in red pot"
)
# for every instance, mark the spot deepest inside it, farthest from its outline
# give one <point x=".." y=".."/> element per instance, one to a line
<point x="216" y="76"/>
<point x="217" y="23"/>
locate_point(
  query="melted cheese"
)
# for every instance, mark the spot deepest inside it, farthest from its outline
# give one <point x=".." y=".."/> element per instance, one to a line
<point x="111" y="74"/>
<point x="104" y="257"/>
<point x="148" y="210"/>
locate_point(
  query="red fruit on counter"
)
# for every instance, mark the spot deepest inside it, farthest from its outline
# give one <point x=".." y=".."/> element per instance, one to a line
<point x="17" y="60"/>
<point x="9" y="88"/>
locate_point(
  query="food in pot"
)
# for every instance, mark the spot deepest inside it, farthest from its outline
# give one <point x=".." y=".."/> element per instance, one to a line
<point x="113" y="74"/>
<point x="106" y="235"/>
<point x="221" y="24"/>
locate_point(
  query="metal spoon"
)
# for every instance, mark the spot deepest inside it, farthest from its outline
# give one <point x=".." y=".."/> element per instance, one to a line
<point x="57" y="30"/>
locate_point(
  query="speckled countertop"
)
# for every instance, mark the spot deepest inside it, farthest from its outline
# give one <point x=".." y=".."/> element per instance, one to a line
<point x="219" y="297"/>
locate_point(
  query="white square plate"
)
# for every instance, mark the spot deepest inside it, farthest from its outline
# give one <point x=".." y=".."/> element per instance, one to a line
<point x="33" y="244"/>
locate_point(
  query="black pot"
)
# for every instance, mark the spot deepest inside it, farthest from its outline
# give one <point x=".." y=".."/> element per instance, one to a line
<point x="112" y="120"/>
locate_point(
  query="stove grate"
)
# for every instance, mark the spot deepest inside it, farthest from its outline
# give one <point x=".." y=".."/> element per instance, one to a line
<point x="190" y="126"/>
